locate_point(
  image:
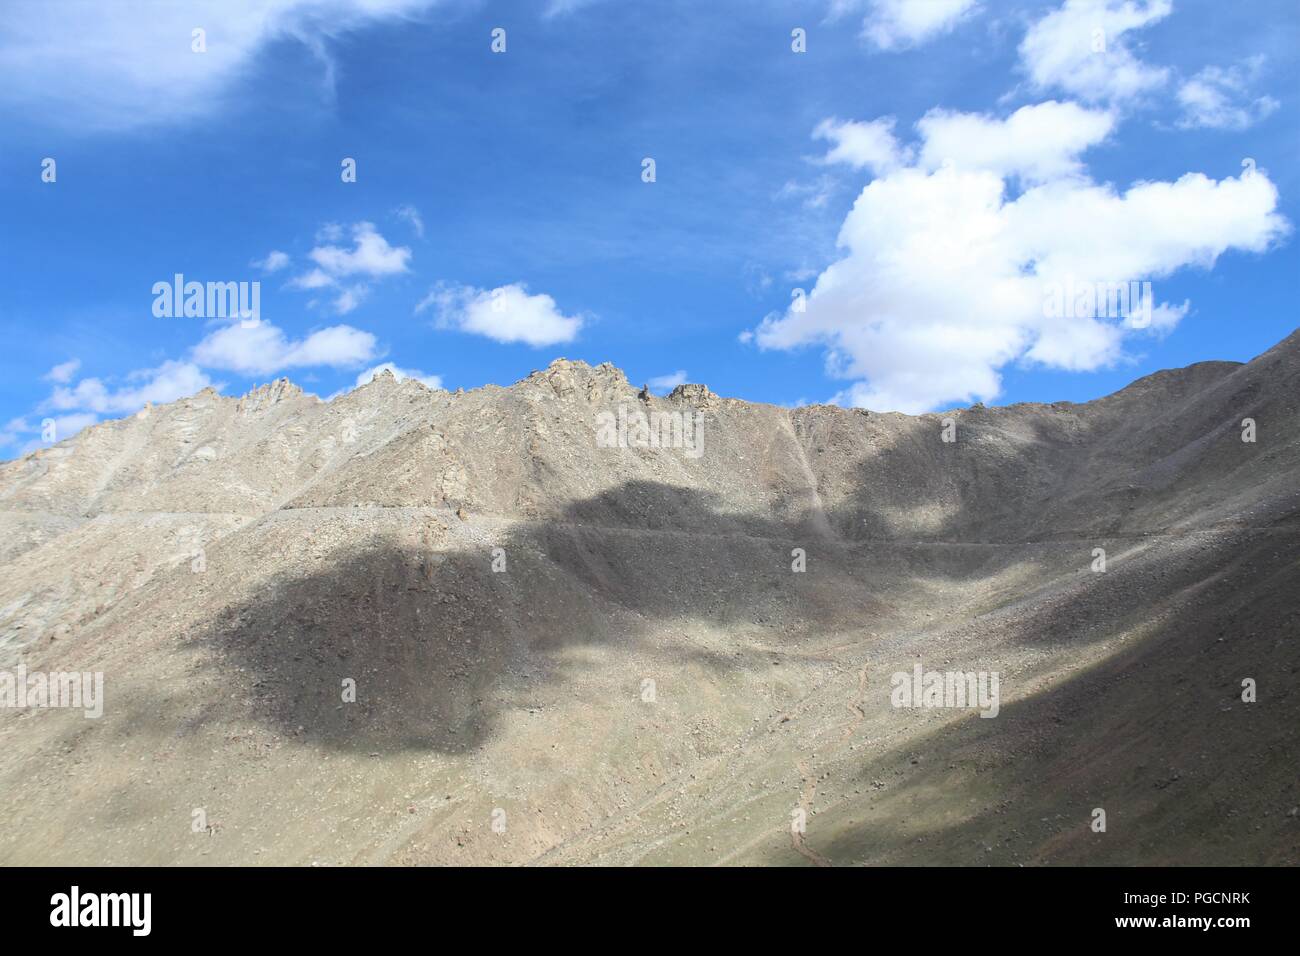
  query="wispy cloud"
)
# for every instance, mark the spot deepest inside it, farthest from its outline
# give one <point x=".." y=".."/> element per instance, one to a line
<point x="275" y="261"/>
<point x="122" y="65"/>
<point x="410" y="215"/>
<point x="666" y="383"/>
<point x="1222" y="97"/>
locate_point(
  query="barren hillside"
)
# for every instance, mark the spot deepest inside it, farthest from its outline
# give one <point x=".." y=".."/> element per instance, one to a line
<point x="569" y="653"/>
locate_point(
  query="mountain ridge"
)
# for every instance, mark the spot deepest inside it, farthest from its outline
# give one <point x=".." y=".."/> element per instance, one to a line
<point x="501" y="587"/>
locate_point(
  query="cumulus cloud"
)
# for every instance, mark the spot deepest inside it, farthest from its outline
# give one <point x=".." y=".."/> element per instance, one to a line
<point x="1084" y="49"/>
<point x="265" y="349"/>
<point x="1221" y="98"/>
<point x="166" y="383"/>
<point x="123" y="65"/>
<point x="347" y="270"/>
<point x="370" y="255"/>
<point x="900" y="24"/>
<point x="505" y="314"/>
<point x="71" y="407"/>
<point x="1037" y="143"/>
<point x="945" y="279"/>
<point x="869" y="146"/>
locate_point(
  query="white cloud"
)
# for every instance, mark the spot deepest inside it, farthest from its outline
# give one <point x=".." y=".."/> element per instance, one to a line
<point x="666" y="383"/>
<point x="432" y="381"/>
<point x="945" y="280"/>
<point x="901" y="24"/>
<point x="26" y="437"/>
<point x="315" y="279"/>
<point x="371" y="257"/>
<point x="264" y="349"/>
<point x="65" y="426"/>
<point x="349" y="298"/>
<point x="166" y="383"/>
<point x="409" y="214"/>
<point x="504" y="314"/>
<point x="1221" y="98"/>
<point x="57" y="427"/>
<point x="1082" y="48"/>
<point x="80" y="405"/>
<point x="123" y="65"/>
<point x="275" y="261"/>
<point x="1037" y="143"/>
<point x="63" y="372"/>
<point x="862" y="145"/>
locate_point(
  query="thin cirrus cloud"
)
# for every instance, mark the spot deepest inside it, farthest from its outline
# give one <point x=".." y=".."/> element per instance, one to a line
<point x="945" y="280"/>
<point x="93" y="65"/>
<point x="506" y="314"/>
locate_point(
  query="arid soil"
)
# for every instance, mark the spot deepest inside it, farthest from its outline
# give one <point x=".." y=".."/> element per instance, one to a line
<point x="568" y="653"/>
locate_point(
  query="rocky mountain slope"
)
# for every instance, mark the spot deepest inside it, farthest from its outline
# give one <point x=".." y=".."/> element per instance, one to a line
<point x="569" y="653"/>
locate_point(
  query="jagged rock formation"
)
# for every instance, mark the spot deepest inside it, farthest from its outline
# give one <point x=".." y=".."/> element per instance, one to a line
<point x="608" y="644"/>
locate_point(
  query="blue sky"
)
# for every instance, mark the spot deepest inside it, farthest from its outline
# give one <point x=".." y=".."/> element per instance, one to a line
<point x="499" y="216"/>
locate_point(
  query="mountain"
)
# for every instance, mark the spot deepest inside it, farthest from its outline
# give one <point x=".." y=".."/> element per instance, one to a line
<point x="567" y="652"/>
